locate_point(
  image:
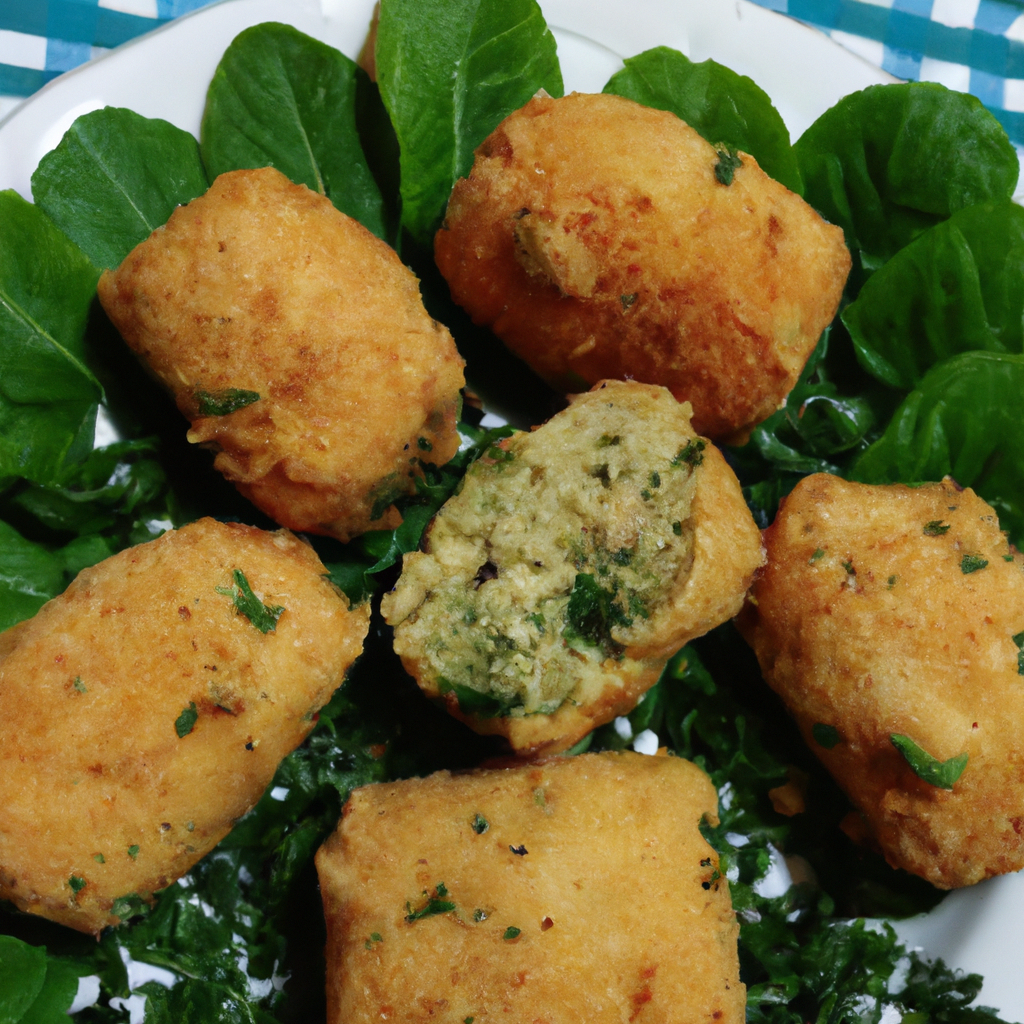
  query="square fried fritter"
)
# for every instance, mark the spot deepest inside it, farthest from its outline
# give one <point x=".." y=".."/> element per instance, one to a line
<point x="573" y="889"/>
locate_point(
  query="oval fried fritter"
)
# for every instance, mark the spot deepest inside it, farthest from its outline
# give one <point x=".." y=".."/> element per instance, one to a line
<point x="594" y="237"/>
<point x="297" y="344"/>
<point x="147" y="708"/>
<point x="590" y="868"/>
<point x="576" y="559"/>
<point x="890" y="620"/>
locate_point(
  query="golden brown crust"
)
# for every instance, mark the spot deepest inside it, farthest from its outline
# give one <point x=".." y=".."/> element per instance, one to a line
<point x="96" y="784"/>
<point x="868" y="620"/>
<point x="593" y="237"/>
<point x="263" y="286"/>
<point x="619" y="906"/>
<point x="615" y="499"/>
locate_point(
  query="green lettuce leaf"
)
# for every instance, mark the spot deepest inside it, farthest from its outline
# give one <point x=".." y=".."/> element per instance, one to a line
<point x="114" y="178"/>
<point x="283" y="99"/>
<point x="962" y="421"/>
<point x="448" y="73"/>
<point x="727" y="109"/>
<point x="890" y="161"/>
<point x="34" y="988"/>
<point x="959" y="286"/>
<point x="48" y="394"/>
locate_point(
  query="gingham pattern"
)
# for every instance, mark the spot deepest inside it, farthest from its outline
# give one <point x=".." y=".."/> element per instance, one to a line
<point x="973" y="45"/>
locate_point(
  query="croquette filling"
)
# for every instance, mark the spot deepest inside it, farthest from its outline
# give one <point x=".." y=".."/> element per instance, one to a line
<point x="554" y="558"/>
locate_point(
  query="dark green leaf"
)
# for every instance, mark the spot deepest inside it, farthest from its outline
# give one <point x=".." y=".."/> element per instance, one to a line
<point x="959" y="286"/>
<point x="890" y="161"/>
<point x="57" y="994"/>
<point x="223" y="403"/>
<point x="727" y="109"/>
<point x="963" y="421"/>
<point x="592" y="612"/>
<point x="48" y="395"/>
<point x="448" y="73"/>
<point x="283" y="99"/>
<point x="115" y="177"/>
<point x="511" y="932"/>
<point x="972" y="563"/>
<point x="263" y="616"/>
<point x="435" y="904"/>
<point x="941" y="774"/>
<point x="22" y="975"/>
<point x="935" y="528"/>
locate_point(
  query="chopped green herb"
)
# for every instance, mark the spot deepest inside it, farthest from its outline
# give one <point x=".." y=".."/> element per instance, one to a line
<point x="819" y="553"/>
<point x="374" y="937"/>
<point x="628" y="300"/>
<point x="677" y="528"/>
<point x="190" y="826"/>
<point x="1007" y="558"/>
<point x="79" y="685"/>
<point x="850" y="570"/>
<point x="655" y="480"/>
<point x="727" y="165"/>
<point x="592" y="612"/>
<point x="436" y="904"/>
<point x="941" y="774"/>
<point x="891" y="582"/>
<point x="479" y="824"/>
<point x="77" y="884"/>
<point x="538" y="620"/>
<point x="424" y="445"/>
<point x="468" y="1020"/>
<point x="623" y="556"/>
<point x="607" y="440"/>
<point x="224" y="402"/>
<point x="936" y="528"/>
<point x="645" y="494"/>
<point x="826" y="736"/>
<point x="601" y="473"/>
<point x="972" y="563"/>
<point x="519" y="851"/>
<point x="129" y="906"/>
<point x="479" y="915"/>
<point x="540" y="797"/>
<point x="692" y="453"/>
<point x="186" y="721"/>
<point x="511" y="932"/>
<point x="263" y="616"/>
<point x="99" y="858"/>
<point x="133" y="851"/>
<point x="499" y="455"/>
<point x="1019" y="641"/>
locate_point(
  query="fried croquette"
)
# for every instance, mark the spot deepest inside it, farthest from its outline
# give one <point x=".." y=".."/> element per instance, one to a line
<point x="890" y="620"/>
<point x="147" y="708"/>
<point x="576" y="889"/>
<point x="575" y="561"/>
<point x="297" y="345"/>
<point x="599" y="238"/>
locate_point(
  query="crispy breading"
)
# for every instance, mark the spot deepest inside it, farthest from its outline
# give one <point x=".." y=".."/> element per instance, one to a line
<point x="575" y="560"/>
<point x="575" y="889"/>
<point x="899" y="611"/>
<point x="145" y="712"/>
<point x="595" y="239"/>
<point x="262" y="291"/>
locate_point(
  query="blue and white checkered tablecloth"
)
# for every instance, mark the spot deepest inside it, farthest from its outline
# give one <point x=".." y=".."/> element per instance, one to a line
<point x="973" y="45"/>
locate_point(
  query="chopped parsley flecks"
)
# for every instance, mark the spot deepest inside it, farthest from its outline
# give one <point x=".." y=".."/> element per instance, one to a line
<point x="436" y="904"/>
<point x="850" y="569"/>
<point x="628" y="300"/>
<point x="374" y="937"/>
<point x="99" y="858"/>
<point x="819" y="553"/>
<point x="936" y="528"/>
<point x="592" y="612"/>
<point x="1019" y="641"/>
<point x="941" y="774"/>
<point x="223" y="402"/>
<point x="540" y="798"/>
<point x="826" y="736"/>
<point x="424" y="445"/>
<point x="263" y="616"/>
<point x="608" y="440"/>
<point x="512" y="932"/>
<point x="891" y="582"/>
<point x="133" y="851"/>
<point x="655" y="480"/>
<point x="972" y="563"/>
<point x="479" y="824"/>
<point x="125" y="907"/>
<point x="479" y="915"/>
<point x="79" y="685"/>
<point x="691" y="454"/>
<point x="1007" y="558"/>
<point x="186" y="721"/>
<point x="76" y="884"/>
<point x="499" y="455"/>
<point x="727" y="165"/>
<point x="677" y="528"/>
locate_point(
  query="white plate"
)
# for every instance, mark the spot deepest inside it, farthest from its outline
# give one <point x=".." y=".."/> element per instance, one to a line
<point x="165" y="74"/>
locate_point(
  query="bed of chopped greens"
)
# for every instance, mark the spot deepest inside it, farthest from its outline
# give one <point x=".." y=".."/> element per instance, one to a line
<point x="919" y="376"/>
